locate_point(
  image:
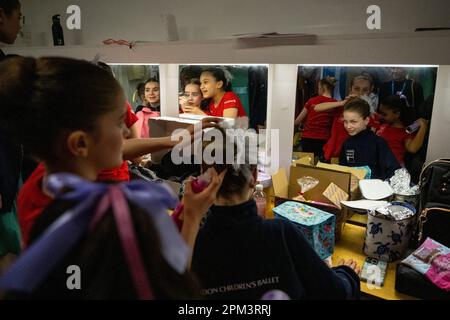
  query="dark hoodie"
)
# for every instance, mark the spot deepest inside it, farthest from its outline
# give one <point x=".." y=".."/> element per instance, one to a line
<point x="368" y="149"/>
<point x="238" y="255"/>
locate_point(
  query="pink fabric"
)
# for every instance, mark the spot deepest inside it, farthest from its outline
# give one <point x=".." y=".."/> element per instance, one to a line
<point x="439" y="273"/>
<point x="432" y="259"/>
<point x="142" y="122"/>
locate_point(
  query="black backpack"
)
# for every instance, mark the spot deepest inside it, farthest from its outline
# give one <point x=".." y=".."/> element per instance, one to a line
<point x="434" y="204"/>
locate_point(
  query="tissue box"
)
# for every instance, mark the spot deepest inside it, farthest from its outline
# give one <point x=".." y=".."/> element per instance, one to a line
<point x="316" y="225"/>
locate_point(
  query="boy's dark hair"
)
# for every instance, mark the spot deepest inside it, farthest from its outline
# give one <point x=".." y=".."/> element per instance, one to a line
<point x="103" y="265"/>
<point x="44" y="99"/>
<point x="9" y="6"/>
<point x="398" y="105"/>
<point x="219" y="75"/>
<point x="359" y="106"/>
<point x="236" y="178"/>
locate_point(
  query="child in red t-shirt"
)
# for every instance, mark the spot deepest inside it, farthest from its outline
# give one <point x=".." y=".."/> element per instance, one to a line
<point x="317" y="125"/>
<point x="216" y="90"/>
<point x="395" y="117"/>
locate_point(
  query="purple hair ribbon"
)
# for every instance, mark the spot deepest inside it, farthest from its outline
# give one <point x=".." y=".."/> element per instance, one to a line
<point x="43" y="256"/>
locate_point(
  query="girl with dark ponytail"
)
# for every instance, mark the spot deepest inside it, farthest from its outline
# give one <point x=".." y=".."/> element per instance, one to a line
<point x="396" y="116"/>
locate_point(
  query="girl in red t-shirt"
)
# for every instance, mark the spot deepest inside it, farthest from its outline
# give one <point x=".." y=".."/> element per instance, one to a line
<point x="317" y="125"/>
<point x="216" y="89"/>
<point x="395" y="117"/>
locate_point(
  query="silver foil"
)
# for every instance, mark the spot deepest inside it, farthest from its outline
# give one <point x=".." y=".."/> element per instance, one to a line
<point x="401" y="183"/>
<point x="307" y="183"/>
<point x="392" y="212"/>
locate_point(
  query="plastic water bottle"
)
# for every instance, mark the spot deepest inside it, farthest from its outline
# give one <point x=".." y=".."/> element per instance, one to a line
<point x="260" y="199"/>
<point x="57" y="31"/>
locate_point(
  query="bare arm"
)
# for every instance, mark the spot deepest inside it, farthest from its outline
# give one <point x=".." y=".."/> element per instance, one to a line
<point x="134" y="133"/>
<point x="136" y="147"/>
<point x="413" y="145"/>
<point x="329" y="105"/>
<point x="301" y="117"/>
<point x="230" y="113"/>
<point x="193" y="110"/>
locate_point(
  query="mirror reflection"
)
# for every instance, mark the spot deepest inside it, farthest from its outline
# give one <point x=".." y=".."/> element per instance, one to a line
<point x="400" y="101"/>
<point x="225" y="91"/>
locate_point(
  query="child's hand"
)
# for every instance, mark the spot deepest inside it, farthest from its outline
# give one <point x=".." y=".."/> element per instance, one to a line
<point x="350" y="97"/>
<point x="182" y="101"/>
<point x="197" y="204"/>
<point x="423" y="122"/>
<point x="188" y="109"/>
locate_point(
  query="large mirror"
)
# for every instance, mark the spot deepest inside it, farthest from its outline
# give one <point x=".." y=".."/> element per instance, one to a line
<point x="400" y="100"/>
<point x="225" y="91"/>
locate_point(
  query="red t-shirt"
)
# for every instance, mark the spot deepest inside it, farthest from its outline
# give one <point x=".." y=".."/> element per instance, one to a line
<point x="332" y="148"/>
<point x="318" y="124"/>
<point x="228" y="101"/>
<point x="31" y="201"/>
<point x="395" y="138"/>
<point x="130" y="118"/>
<point x="121" y="173"/>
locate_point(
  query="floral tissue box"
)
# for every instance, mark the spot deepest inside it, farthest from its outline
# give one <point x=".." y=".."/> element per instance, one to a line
<point x="316" y="225"/>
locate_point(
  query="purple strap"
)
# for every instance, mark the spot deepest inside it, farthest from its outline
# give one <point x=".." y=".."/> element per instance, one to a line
<point x="129" y="243"/>
<point x="43" y="256"/>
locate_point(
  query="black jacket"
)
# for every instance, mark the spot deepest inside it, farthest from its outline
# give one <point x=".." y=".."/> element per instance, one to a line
<point x="238" y="255"/>
<point x="368" y="149"/>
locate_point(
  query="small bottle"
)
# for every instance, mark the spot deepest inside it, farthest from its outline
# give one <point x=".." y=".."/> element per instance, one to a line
<point x="57" y="31"/>
<point x="260" y="198"/>
<point x="413" y="127"/>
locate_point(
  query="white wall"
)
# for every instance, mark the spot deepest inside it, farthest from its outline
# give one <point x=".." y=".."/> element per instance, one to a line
<point x="439" y="145"/>
<point x="215" y="19"/>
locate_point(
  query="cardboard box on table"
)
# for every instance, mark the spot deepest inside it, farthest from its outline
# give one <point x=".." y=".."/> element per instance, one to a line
<point x="285" y="190"/>
<point x="306" y="158"/>
<point x="356" y="175"/>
